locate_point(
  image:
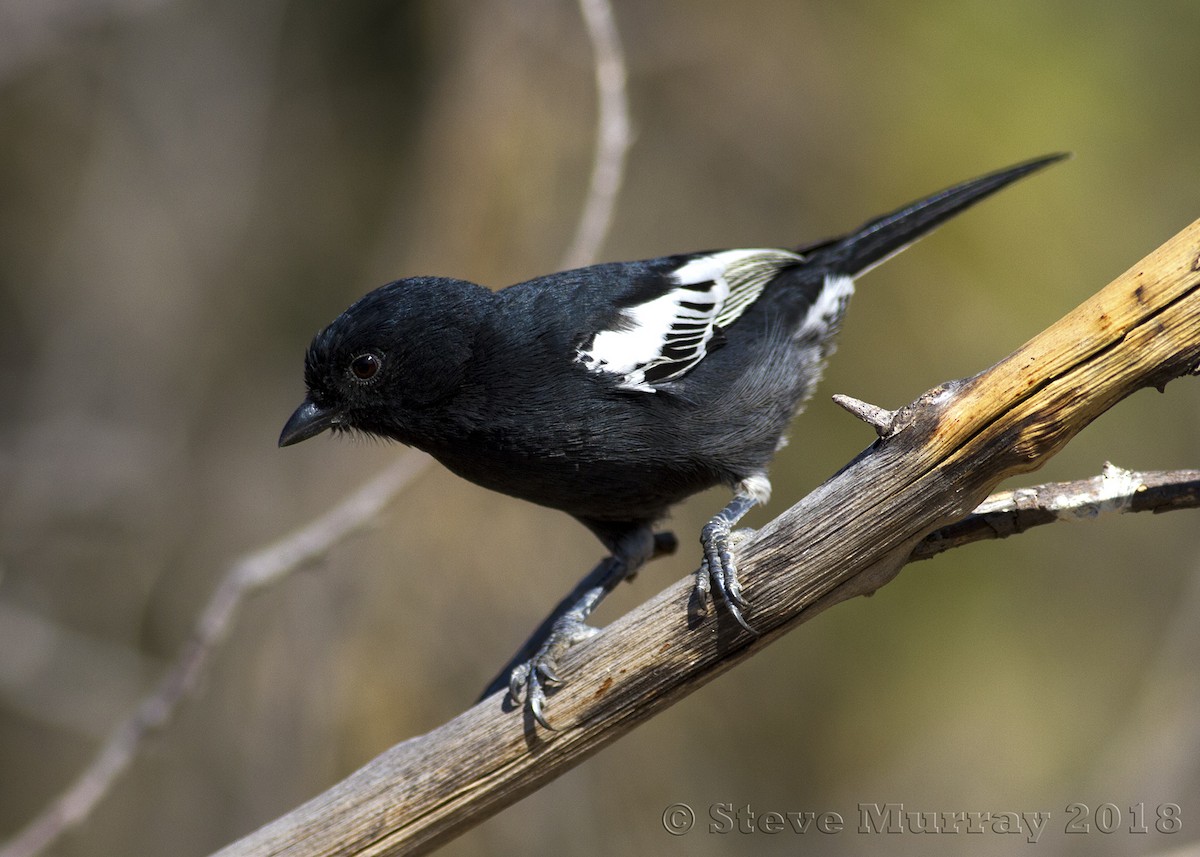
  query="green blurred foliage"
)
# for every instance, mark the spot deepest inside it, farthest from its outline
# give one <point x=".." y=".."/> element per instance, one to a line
<point x="189" y="190"/>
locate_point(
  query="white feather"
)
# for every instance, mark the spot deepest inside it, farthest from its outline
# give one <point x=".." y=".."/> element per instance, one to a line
<point x="829" y="306"/>
<point x="671" y="332"/>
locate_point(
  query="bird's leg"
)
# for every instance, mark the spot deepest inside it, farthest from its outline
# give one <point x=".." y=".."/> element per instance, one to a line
<point x="537" y="660"/>
<point x="717" y="570"/>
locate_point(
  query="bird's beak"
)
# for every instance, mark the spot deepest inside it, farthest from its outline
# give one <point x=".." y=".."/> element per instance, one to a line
<point x="309" y="420"/>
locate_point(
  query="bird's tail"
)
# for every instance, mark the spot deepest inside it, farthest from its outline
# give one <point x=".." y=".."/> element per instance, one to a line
<point x="886" y="236"/>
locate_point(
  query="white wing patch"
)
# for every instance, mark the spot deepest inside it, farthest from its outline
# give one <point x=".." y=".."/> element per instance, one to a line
<point x="661" y="339"/>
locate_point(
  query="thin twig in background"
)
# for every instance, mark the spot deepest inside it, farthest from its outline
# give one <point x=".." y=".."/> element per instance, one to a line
<point x="273" y="563"/>
<point x="613" y="136"/>
<point x="248" y="574"/>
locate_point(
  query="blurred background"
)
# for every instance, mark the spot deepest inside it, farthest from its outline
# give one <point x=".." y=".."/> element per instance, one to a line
<point x="189" y="190"/>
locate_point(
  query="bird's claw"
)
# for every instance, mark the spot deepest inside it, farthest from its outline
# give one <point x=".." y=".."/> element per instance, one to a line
<point x="530" y="679"/>
<point x="718" y="572"/>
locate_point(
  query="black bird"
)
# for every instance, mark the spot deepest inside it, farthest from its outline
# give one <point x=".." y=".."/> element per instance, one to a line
<point x="610" y="392"/>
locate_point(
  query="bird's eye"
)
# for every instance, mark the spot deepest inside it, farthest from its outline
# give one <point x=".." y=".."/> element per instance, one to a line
<point x="364" y="367"/>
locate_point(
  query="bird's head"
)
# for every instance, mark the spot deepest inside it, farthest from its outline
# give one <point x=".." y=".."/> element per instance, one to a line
<point x="395" y="352"/>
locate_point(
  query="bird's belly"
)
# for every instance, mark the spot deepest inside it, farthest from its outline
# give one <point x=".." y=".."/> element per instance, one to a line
<point x="581" y="482"/>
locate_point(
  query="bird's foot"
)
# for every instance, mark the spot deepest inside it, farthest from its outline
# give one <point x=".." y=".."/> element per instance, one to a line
<point x="718" y="572"/>
<point x="530" y="679"/>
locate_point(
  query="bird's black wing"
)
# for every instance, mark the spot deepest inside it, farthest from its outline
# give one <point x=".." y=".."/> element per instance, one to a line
<point x="665" y="331"/>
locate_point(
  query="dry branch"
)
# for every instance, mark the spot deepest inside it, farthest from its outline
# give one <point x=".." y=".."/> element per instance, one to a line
<point x="1115" y="491"/>
<point x="940" y="457"/>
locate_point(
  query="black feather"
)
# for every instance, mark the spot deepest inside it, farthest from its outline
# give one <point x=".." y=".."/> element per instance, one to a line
<point x="509" y="389"/>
